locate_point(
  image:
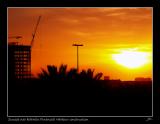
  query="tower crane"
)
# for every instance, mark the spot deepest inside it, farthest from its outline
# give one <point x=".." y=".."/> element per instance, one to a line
<point x="16" y="37"/>
<point x="35" y="30"/>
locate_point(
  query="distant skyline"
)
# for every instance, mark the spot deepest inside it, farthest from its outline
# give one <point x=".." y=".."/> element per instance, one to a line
<point x="108" y="35"/>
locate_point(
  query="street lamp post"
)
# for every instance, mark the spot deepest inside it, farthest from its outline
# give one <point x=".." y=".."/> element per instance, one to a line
<point x="77" y="45"/>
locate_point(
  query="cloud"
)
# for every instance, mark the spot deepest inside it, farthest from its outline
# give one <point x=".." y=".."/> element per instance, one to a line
<point x="69" y="20"/>
<point x="116" y="14"/>
<point x="95" y="24"/>
<point x="80" y="33"/>
<point x="29" y="11"/>
<point x="92" y="18"/>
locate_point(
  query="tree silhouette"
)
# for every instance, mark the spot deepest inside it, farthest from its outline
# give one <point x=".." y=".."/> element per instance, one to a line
<point x="89" y="75"/>
<point x="72" y="74"/>
<point x="98" y="76"/>
<point x="52" y="73"/>
<point x="62" y="72"/>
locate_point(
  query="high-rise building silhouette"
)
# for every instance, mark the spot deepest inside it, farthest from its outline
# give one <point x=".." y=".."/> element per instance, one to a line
<point x="19" y="61"/>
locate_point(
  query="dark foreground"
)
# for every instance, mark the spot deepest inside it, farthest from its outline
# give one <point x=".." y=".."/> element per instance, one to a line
<point x="79" y="98"/>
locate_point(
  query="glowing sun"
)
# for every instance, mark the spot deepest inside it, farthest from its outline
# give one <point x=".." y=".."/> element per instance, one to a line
<point x="131" y="59"/>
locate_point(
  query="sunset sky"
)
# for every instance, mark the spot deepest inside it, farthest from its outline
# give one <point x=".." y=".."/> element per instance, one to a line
<point x="117" y="41"/>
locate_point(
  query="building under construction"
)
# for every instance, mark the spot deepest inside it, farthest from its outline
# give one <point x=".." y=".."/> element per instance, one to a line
<point x="19" y="57"/>
<point x="19" y="61"/>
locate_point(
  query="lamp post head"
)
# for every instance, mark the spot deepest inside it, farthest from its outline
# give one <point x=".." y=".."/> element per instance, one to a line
<point x="77" y="45"/>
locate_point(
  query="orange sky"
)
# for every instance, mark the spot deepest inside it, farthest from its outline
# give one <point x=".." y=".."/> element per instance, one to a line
<point x="103" y="31"/>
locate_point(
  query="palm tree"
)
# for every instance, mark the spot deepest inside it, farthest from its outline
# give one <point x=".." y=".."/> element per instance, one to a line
<point x="62" y="72"/>
<point x="98" y="76"/>
<point x="72" y="74"/>
<point x="53" y="73"/>
<point x="89" y="75"/>
<point x="43" y="75"/>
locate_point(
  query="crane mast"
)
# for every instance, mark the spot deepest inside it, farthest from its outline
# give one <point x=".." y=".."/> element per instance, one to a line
<point x="35" y="30"/>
